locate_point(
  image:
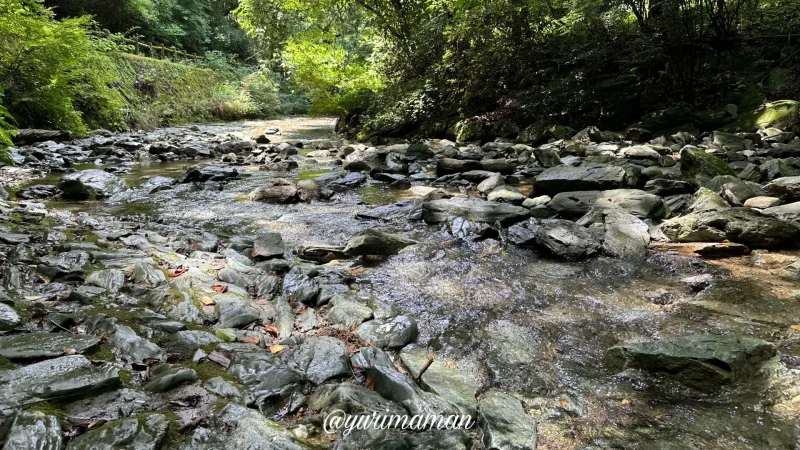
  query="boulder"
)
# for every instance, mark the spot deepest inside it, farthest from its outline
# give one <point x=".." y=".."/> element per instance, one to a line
<point x="556" y="237"/>
<point x="456" y="386"/>
<point x="111" y="279"/>
<point x="507" y="194"/>
<point x="472" y="209"/>
<point x="664" y="187"/>
<point x="636" y="202"/>
<point x="145" y="433"/>
<point x="447" y="166"/>
<point x="594" y="177"/>
<point x="489" y="184"/>
<point x="27" y="136"/>
<point x="9" y="318"/>
<point x="322" y="358"/>
<point x="39" y="191"/>
<point x="90" y="185"/>
<point x="279" y="191"/>
<point x="268" y="246"/>
<point x="706" y="200"/>
<point x="624" y="235"/>
<point x="742" y="225"/>
<point x="699" y="167"/>
<point x="398" y="332"/>
<point x="32" y="430"/>
<point x="787" y="189"/>
<point x="376" y="242"/>
<point x="504" y="423"/>
<point x="547" y="157"/>
<point x="785" y="212"/>
<point x="239" y="427"/>
<point x="44" y="345"/>
<point x="739" y="191"/>
<point x="702" y="361"/>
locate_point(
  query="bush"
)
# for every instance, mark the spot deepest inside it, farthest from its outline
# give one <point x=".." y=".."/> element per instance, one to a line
<point x="6" y="132"/>
<point x="232" y="103"/>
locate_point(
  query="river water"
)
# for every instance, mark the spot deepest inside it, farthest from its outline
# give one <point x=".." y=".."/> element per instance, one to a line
<point x="530" y="325"/>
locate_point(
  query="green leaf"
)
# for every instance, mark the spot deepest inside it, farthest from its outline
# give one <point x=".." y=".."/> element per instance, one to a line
<point x="226" y="334"/>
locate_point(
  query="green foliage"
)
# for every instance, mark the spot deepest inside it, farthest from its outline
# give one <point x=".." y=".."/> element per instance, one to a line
<point x="6" y="132"/>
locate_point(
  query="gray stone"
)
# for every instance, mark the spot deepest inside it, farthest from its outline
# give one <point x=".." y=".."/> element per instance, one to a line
<point x="664" y="187"/>
<point x="235" y="313"/>
<point x="125" y="434"/>
<point x="44" y="345"/>
<point x="491" y="183"/>
<point x="322" y="358"/>
<point x="594" y="177"/>
<point x="396" y="333"/>
<point x="787" y="189"/>
<point x="699" y="167"/>
<point x="133" y="348"/>
<point x="741" y="225"/>
<point x="706" y="200"/>
<point x="148" y="275"/>
<point x="636" y="202"/>
<point x="187" y="341"/>
<point x="266" y="375"/>
<point x="505" y="424"/>
<point x="547" y="157"/>
<point x="239" y="427"/>
<point x="456" y="386"/>
<point x="376" y="242"/>
<point x="279" y="191"/>
<point x="158" y="184"/>
<point x="348" y="313"/>
<point x="563" y="239"/>
<point x="90" y="184"/>
<point x="785" y="212"/>
<point x="625" y="236"/>
<point x="739" y="191"/>
<point x="472" y="209"/>
<point x="9" y="318"/>
<point x="352" y="399"/>
<point x="774" y="169"/>
<point x="268" y="245"/>
<point x="762" y="202"/>
<point x="169" y="378"/>
<point x="61" y="378"/>
<point x="446" y="166"/>
<point x="640" y="152"/>
<point x="32" y="431"/>
<point x="110" y="279"/>
<point x="702" y="361"/>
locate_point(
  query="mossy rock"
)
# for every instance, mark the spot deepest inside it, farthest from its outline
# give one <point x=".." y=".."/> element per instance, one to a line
<point x="699" y="167"/>
<point x="783" y="114"/>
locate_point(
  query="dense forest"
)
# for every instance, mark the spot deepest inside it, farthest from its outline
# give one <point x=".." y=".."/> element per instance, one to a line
<point x="474" y="69"/>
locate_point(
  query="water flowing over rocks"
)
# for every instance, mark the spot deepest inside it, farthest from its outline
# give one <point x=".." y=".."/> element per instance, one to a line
<point x="212" y="287"/>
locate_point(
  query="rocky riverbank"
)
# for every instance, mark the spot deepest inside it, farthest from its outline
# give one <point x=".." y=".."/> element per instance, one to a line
<point x="599" y="290"/>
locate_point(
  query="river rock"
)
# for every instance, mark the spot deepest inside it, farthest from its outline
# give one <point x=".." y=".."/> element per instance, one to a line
<point x="706" y="200"/>
<point x="90" y="185"/>
<point x="348" y="313"/>
<point x="624" y="235"/>
<point x="322" y="358"/>
<point x="111" y="279"/>
<point x="133" y="348"/>
<point x="664" y="187"/>
<point x="32" y="431"/>
<point x="547" y="157"/>
<point x="595" y="177"/>
<point x="352" y="399"/>
<point x="787" y="189"/>
<point x="703" y="361"/>
<point x="266" y="375"/>
<point x="742" y="225"/>
<point x="158" y="184"/>
<point x="168" y="378"/>
<point x="235" y="312"/>
<point x="563" y="239"/>
<point x="489" y="184"/>
<point x="268" y="246"/>
<point x="785" y="212"/>
<point x="396" y="333"/>
<point x="472" y="209"/>
<point x="145" y="433"/>
<point x="239" y="427"/>
<point x="44" y="345"/>
<point x="148" y="275"/>
<point x="739" y="191"/>
<point x="636" y="202"/>
<point x="507" y="194"/>
<point x="9" y="318"/>
<point x="456" y="386"/>
<point x="699" y="167"/>
<point x="505" y="424"/>
<point x="774" y="169"/>
<point x="61" y="378"/>
<point x="762" y="202"/>
<point x="447" y="166"/>
<point x="279" y="191"/>
<point x="39" y="191"/>
<point x="376" y="242"/>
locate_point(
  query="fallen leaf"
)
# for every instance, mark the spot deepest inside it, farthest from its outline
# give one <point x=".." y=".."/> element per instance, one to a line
<point x="796" y="327"/>
<point x="174" y="273"/>
<point x="219" y="288"/>
<point x="226" y="334"/>
<point x="302" y="309"/>
<point x="207" y="301"/>
<point x="277" y="348"/>
<point x="272" y="330"/>
<point x="218" y="265"/>
<point x="251" y="340"/>
<point x="563" y="403"/>
<point x="625" y="401"/>
<point x="371" y="383"/>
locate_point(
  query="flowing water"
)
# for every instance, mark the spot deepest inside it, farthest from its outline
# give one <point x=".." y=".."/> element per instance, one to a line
<point x="534" y="326"/>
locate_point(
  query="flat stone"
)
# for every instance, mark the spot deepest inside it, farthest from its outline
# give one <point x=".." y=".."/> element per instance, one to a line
<point x="266" y="375"/>
<point x="348" y="313"/>
<point x="60" y="378"/>
<point x="34" y="431"/>
<point x="456" y="386"/>
<point x="699" y="167"/>
<point x="110" y="279"/>
<point x="585" y="178"/>
<point x="396" y="333"/>
<point x="376" y="242"/>
<point x="787" y="189"/>
<point x="268" y="245"/>
<point x="742" y="225"/>
<point x="636" y="202"/>
<point x="239" y="427"/>
<point x="762" y="202"/>
<point x="702" y="361"/>
<point x="472" y="209"/>
<point x="322" y="358"/>
<point x="9" y="318"/>
<point x="169" y="378"/>
<point x="785" y="212"/>
<point x="125" y="434"/>
<point x="704" y="249"/>
<point x="44" y="345"/>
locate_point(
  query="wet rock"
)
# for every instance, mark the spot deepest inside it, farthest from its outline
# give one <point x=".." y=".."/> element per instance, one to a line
<point x="472" y="209"/>
<point x="301" y="287"/>
<point x="774" y="169"/>
<point x="454" y="385"/>
<point x="267" y="246"/>
<point x="350" y="181"/>
<point x="90" y="185"/>
<point x="505" y="424"/>
<point x="376" y="242"/>
<point x="187" y="341"/>
<point x="506" y="194"/>
<point x="704" y="249"/>
<point x="547" y="157"/>
<point x="106" y="407"/>
<point x="624" y="235"/>
<point x="61" y="378"/>
<point x="169" y="377"/>
<point x="266" y="375"/>
<point x="279" y="191"/>
<point x="787" y="189"/>
<point x="39" y="191"/>
<point x="664" y="187"/>
<point x="238" y="427"/>
<point x="112" y="279"/>
<point x="742" y="225"/>
<point x="235" y="312"/>
<point x="14" y="239"/>
<point x="585" y="178"/>
<point x="322" y="358"/>
<point x="561" y="238"/>
<point x="489" y="184"/>
<point x="702" y="361"/>
<point x="393" y="385"/>
<point x="9" y="318"/>
<point x="284" y="317"/>
<point x="222" y="388"/>
<point x="207" y="174"/>
<point x="348" y="313"/>
<point x="634" y="201"/>
<point x="399" y="211"/>
<point x="737" y="192"/>
<point x="125" y="434"/>
<point x="32" y="431"/>
<point x="44" y="345"/>
<point x="134" y="349"/>
<point x="148" y="275"/>
<point x="352" y="399"/>
<point x="396" y="333"/>
<point x="699" y="167"/>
